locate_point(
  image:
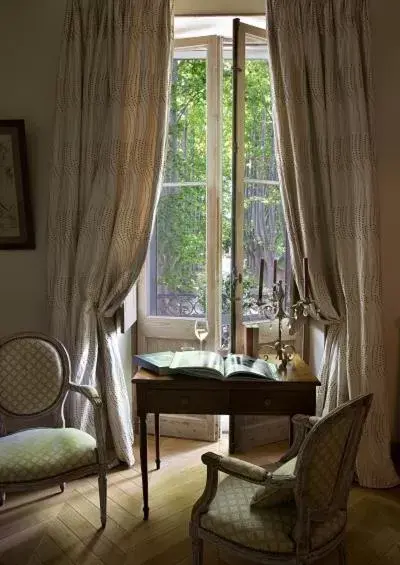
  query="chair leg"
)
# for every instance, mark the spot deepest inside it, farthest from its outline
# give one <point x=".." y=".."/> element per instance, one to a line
<point x="342" y="553"/>
<point x="197" y="550"/>
<point x="2" y="498"/>
<point x="62" y="487"/>
<point x="103" y="497"/>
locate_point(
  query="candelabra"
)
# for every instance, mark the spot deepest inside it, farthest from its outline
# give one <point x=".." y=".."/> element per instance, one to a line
<point x="274" y="308"/>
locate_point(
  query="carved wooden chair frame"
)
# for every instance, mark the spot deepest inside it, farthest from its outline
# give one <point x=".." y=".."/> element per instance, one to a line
<point x="56" y="408"/>
<point x="306" y="432"/>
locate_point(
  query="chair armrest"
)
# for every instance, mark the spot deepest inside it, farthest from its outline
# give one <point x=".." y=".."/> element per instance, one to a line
<point x="302" y="424"/>
<point x="247" y="471"/>
<point x="236" y="467"/>
<point x="89" y="392"/>
<point x="305" y="421"/>
<point x="280" y="478"/>
<point x="94" y="398"/>
<point x="229" y="465"/>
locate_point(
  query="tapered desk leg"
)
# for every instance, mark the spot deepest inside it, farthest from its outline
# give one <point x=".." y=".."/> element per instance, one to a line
<point x="232" y="445"/>
<point x="143" y="465"/>
<point x="157" y="434"/>
<point x="291" y="431"/>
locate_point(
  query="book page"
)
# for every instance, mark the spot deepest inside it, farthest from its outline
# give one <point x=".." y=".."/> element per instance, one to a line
<point x="244" y="365"/>
<point x="200" y="361"/>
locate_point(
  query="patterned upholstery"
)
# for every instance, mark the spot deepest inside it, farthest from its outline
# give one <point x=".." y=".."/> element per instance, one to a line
<point x="44" y="452"/>
<point x="325" y="461"/>
<point x="272" y="495"/>
<point x="265" y="529"/>
<point x="31" y="375"/>
<point x="308" y="527"/>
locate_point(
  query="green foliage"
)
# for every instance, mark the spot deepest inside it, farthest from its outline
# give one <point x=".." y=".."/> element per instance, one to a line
<point x="181" y="233"/>
<point x="187" y="134"/>
<point x="181" y="216"/>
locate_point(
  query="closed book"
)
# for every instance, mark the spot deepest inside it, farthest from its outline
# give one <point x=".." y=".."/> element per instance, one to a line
<point x="158" y="363"/>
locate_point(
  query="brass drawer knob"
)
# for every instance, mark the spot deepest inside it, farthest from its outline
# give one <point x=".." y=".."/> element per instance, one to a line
<point x="184" y="400"/>
<point x="267" y="402"/>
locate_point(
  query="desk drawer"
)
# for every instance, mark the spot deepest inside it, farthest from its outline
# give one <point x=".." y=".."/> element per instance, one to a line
<point x="272" y="402"/>
<point x="175" y="401"/>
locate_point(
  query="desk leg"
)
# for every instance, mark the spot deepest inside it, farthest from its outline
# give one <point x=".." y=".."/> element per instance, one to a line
<point x="143" y="464"/>
<point x="232" y="446"/>
<point x="157" y="434"/>
<point x="290" y="430"/>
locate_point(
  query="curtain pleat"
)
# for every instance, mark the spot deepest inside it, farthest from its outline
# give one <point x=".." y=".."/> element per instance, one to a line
<point x="109" y="138"/>
<point x="321" y="74"/>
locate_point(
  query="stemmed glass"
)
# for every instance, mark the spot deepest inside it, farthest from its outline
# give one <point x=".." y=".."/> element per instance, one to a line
<point x="201" y="331"/>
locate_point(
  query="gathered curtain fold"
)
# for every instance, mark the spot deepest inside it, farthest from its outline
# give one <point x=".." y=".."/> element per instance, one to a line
<point x="109" y="139"/>
<point x="321" y="74"/>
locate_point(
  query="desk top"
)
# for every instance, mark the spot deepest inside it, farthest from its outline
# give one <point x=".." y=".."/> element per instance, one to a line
<point x="297" y="371"/>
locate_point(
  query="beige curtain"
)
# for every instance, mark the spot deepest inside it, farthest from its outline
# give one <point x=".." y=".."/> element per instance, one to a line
<point x="321" y="72"/>
<point x="109" y="139"/>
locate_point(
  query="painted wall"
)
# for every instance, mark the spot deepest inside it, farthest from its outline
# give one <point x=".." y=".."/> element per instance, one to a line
<point x="30" y="34"/>
<point x="385" y="16"/>
<point x="236" y="7"/>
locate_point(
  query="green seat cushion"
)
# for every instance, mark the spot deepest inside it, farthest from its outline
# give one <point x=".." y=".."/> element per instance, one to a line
<point x="272" y="495"/>
<point x="41" y="453"/>
<point x="231" y="517"/>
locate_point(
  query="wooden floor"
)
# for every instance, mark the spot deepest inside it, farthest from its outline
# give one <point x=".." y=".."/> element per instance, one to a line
<point x="62" y="529"/>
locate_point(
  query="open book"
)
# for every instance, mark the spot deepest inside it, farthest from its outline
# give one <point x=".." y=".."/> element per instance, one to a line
<point x="207" y="364"/>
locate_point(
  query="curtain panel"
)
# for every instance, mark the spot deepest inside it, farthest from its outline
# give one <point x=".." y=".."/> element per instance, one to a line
<point x="321" y="73"/>
<point x="110" y="128"/>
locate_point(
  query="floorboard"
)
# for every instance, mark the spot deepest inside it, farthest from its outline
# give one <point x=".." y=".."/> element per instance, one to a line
<point x="53" y="528"/>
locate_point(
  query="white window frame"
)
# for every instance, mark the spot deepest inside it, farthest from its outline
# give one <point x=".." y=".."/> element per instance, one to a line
<point x="180" y="328"/>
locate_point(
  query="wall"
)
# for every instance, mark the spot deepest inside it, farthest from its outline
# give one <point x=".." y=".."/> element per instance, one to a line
<point x="385" y="15"/>
<point x="30" y="34"/>
<point x="236" y="7"/>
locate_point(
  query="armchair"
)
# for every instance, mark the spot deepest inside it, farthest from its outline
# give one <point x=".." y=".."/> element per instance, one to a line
<point x="319" y="467"/>
<point x="34" y="382"/>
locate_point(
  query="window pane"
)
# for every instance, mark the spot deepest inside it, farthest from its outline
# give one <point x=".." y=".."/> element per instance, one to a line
<point x="264" y="228"/>
<point x="178" y="247"/>
<point x="264" y="234"/>
<point x="226" y="196"/>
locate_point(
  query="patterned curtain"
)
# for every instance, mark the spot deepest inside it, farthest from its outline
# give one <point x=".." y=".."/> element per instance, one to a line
<point x="320" y="64"/>
<point x="110" y="128"/>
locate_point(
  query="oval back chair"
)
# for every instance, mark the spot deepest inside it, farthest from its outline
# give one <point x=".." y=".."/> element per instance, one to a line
<point x="35" y="375"/>
<point x="294" y="513"/>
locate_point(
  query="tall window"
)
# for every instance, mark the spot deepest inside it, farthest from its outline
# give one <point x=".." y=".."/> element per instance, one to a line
<point x="178" y="251"/>
<point x="188" y="272"/>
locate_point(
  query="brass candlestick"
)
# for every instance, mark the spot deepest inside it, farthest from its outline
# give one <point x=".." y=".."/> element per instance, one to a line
<point x="273" y="308"/>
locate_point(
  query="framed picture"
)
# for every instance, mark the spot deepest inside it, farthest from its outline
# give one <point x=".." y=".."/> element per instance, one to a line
<point x="16" y="227"/>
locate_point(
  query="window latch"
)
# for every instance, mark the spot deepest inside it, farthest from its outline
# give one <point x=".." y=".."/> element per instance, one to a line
<point x="236" y="278"/>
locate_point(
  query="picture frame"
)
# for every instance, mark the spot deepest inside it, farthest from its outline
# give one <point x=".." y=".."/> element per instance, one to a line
<point x="16" y="224"/>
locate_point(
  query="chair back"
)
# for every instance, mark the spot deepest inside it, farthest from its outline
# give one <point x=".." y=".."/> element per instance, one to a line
<point x="34" y="375"/>
<point x="326" y="461"/>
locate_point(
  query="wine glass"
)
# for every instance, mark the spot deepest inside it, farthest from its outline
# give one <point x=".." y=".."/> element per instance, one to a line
<point x="201" y="331"/>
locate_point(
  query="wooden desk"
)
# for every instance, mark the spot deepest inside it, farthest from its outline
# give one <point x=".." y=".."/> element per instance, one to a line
<point x="294" y="393"/>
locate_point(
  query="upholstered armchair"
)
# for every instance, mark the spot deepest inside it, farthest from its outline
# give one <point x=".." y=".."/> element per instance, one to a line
<point x="34" y="382"/>
<point x="294" y="512"/>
